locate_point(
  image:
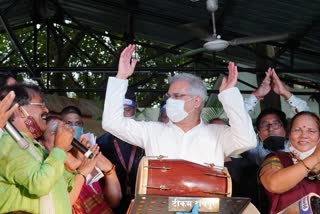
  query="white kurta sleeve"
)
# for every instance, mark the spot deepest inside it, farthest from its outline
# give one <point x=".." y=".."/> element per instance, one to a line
<point x="298" y="104"/>
<point x="241" y="135"/>
<point x="114" y="122"/>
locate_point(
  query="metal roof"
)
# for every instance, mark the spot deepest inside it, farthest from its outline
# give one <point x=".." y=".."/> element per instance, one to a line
<point x="165" y="22"/>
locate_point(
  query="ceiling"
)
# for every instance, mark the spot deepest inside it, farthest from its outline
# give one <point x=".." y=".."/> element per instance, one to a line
<point x="165" y="21"/>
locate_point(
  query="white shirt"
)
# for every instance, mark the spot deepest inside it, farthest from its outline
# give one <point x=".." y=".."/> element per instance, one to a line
<point x="296" y="104"/>
<point x="202" y="144"/>
<point x="258" y="154"/>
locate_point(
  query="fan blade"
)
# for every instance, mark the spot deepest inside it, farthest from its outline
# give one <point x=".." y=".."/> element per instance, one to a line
<point x="192" y="52"/>
<point x="257" y="39"/>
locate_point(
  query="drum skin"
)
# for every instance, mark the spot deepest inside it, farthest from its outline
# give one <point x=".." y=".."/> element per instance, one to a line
<point x="174" y="177"/>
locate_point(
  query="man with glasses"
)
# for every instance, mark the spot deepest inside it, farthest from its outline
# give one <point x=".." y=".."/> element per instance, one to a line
<point x="271" y="123"/>
<point x="31" y="180"/>
<point x="271" y="127"/>
<point x="185" y="136"/>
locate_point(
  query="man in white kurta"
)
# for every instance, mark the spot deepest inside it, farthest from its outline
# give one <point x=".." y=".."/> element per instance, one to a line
<point x="189" y="139"/>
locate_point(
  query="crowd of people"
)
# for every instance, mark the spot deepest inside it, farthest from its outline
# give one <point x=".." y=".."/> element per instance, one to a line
<point x="272" y="165"/>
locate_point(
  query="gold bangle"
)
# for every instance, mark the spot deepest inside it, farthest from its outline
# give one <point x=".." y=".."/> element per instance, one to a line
<point x="110" y="171"/>
<point x="303" y="163"/>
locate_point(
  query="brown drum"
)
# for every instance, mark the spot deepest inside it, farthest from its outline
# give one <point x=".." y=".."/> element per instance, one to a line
<point x="181" y="178"/>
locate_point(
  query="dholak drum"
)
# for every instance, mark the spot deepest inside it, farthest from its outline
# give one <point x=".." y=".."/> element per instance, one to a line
<point x="175" y="177"/>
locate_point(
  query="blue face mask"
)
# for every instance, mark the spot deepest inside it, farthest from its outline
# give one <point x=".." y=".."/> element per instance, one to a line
<point x="78" y="131"/>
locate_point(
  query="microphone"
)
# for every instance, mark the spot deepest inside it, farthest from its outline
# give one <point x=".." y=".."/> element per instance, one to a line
<point x="75" y="143"/>
<point x="84" y="150"/>
<point x="16" y="135"/>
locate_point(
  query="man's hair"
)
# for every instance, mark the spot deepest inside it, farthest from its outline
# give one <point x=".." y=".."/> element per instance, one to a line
<point x="24" y="92"/>
<point x="196" y="85"/>
<point x="70" y="109"/>
<point x="280" y="114"/>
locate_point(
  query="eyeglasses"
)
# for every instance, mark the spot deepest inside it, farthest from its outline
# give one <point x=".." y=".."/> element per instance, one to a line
<point x="42" y="104"/>
<point x="298" y="131"/>
<point x="175" y="96"/>
<point x="266" y="125"/>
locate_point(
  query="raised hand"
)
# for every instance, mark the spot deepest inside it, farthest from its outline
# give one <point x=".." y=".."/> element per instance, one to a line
<point x="64" y="136"/>
<point x="72" y="163"/>
<point x="231" y="80"/>
<point x="87" y="166"/>
<point x="126" y="63"/>
<point x="265" y="86"/>
<point x="278" y="87"/>
<point x="4" y="106"/>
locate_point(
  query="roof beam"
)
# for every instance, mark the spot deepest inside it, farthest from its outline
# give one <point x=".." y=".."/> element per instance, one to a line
<point x="81" y="90"/>
<point x="74" y="43"/>
<point x="5" y="11"/>
<point x="302" y="83"/>
<point x="15" y="42"/>
<point x="294" y="40"/>
<point x="276" y="62"/>
<point x="162" y="52"/>
<point x="86" y="29"/>
<point x="14" y="50"/>
<point x="153" y="69"/>
<point x="144" y="44"/>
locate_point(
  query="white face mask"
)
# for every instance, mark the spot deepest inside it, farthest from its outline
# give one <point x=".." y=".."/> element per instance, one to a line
<point x="301" y="155"/>
<point x="175" y="110"/>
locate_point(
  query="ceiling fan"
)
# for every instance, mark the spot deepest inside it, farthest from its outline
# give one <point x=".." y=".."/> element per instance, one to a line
<point x="215" y="43"/>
